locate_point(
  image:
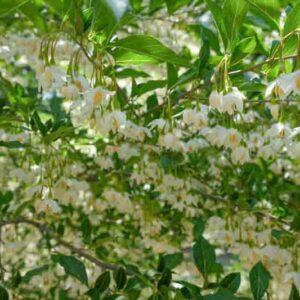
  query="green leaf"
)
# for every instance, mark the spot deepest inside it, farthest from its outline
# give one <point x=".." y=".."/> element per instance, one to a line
<point x="198" y="229"/>
<point x="165" y="279"/>
<point x="243" y="48"/>
<point x="149" y="46"/>
<point x="173" y="260"/>
<point x="151" y="85"/>
<point x="120" y="277"/>
<point x="204" y="53"/>
<point x="259" y="280"/>
<point x="104" y="20"/>
<point x="6" y="197"/>
<point x="231" y="282"/>
<point x="86" y="228"/>
<point x="34" y="272"/>
<point x="32" y="12"/>
<point x="74" y="267"/>
<point x="234" y="14"/>
<point x="218" y="16"/>
<point x="204" y="256"/>
<point x="3" y="293"/>
<point x="125" y="57"/>
<point x="102" y="282"/>
<point x="268" y="10"/>
<point x="9" y="6"/>
<point x="125" y="73"/>
<point x="294" y="294"/>
<point x="221" y="295"/>
<point x="172" y="75"/>
<point x="174" y="5"/>
<point x="293" y="20"/>
<point x="12" y="144"/>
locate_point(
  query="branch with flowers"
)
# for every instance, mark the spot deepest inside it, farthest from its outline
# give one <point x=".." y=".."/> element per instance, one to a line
<point x="149" y="149"/>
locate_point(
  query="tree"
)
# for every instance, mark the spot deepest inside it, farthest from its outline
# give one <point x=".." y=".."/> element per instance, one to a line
<point x="149" y="149"/>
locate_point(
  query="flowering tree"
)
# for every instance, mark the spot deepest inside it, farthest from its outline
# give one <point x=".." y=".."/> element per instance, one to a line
<point x="150" y="149"/>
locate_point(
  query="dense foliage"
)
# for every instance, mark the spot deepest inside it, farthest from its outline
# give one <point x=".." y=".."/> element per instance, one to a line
<point x="150" y="149"/>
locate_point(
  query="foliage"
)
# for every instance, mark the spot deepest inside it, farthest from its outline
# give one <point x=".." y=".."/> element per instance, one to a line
<point x="149" y="149"/>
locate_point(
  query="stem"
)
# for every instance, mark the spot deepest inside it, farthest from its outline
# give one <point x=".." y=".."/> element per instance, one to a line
<point x="45" y="232"/>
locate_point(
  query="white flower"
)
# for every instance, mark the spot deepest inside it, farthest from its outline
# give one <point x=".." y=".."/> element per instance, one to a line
<point x="266" y="152"/>
<point x="295" y="150"/>
<point x="189" y="116"/>
<point x="104" y="162"/>
<point x="216" y="101"/>
<point x="274" y="109"/>
<point x="118" y="119"/>
<point x="51" y="79"/>
<point x="70" y="92"/>
<point x="255" y="140"/>
<point x="159" y="123"/>
<point x="217" y="135"/>
<point x="279" y="131"/>
<point x="125" y="152"/>
<point x="48" y="206"/>
<point x="233" y="101"/>
<point x="296" y="82"/>
<point x="240" y="155"/>
<point x="233" y="138"/>
<point x="281" y="87"/>
<point x="82" y="83"/>
<point x="170" y="141"/>
<point x="97" y="96"/>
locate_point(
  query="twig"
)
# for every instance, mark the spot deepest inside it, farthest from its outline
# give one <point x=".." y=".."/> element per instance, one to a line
<point x="46" y="232"/>
<point x="268" y="61"/>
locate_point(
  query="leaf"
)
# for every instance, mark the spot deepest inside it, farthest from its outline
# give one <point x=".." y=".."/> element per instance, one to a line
<point x="173" y="260"/>
<point x="204" y="256"/>
<point x="3" y="293"/>
<point x="234" y="14"/>
<point x="243" y="48"/>
<point x="294" y="295"/>
<point x="32" y="12"/>
<point x="259" y="280"/>
<point x="268" y="10"/>
<point x="149" y="46"/>
<point x="125" y="57"/>
<point x="86" y="229"/>
<point x="198" y="229"/>
<point x="190" y="289"/>
<point x="102" y="282"/>
<point x="174" y="5"/>
<point x="172" y="75"/>
<point x="104" y="20"/>
<point x="165" y="279"/>
<point x="6" y="197"/>
<point x="125" y="73"/>
<point x="204" y="52"/>
<point x="293" y="20"/>
<point x="74" y="267"/>
<point x="151" y="85"/>
<point x="221" y="295"/>
<point x="34" y="272"/>
<point x="231" y="282"/>
<point x="9" y="6"/>
<point x="218" y="16"/>
<point x="12" y="144"/>
<point x="120" y="277"/>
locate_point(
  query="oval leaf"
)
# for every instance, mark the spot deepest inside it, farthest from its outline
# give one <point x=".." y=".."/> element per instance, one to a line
<point x="149" y="46"/>
<point x="259" y="280"/>
<point x="74" y="267"/>
<point x="204" y="256"/>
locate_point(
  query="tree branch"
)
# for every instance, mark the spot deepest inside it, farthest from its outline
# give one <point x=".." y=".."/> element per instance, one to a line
<point x="46" y="232"/>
